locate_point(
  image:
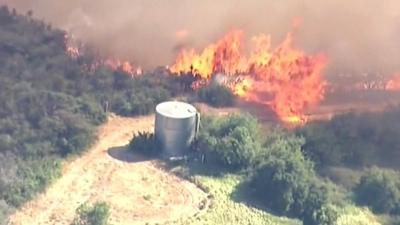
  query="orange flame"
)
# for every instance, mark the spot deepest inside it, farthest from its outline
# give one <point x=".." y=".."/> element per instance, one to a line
<point x="74" y="52"/>
<point x="71" y="47"/>
<point x="394" y="83"/>
<point x="293" y="78"/>
<point x="224" y="56"/>
<point x="125" y="66"/>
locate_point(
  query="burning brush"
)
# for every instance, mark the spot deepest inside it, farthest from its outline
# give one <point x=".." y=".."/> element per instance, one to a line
<point x="289" y="77"/>
<point x="293" y="78"/>
<point x="76" y="49"/>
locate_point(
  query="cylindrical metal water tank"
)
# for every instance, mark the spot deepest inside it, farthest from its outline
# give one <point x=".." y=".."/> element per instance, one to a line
<point x="175" y="126"/>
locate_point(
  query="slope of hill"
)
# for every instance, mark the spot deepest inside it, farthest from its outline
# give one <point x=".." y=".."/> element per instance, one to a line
<point x="137" y="191"/>
<point x="50" y="104"/>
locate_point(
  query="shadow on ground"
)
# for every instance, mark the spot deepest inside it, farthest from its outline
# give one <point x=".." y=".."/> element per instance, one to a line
<point x="194" y="166"/>
<point x="123" y="154"/>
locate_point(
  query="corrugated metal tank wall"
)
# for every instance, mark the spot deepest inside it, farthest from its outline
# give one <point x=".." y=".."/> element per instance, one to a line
<point x="175" y="126"/>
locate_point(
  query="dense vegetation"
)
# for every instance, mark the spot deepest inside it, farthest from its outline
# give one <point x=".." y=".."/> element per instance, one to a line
<point x="225" y="208"/>
<point x="280" y="171"/>
<point x="354" y="139"/>
<point x="379" y="189"/>
<point x="358" y="141"/>
<point x="97" y="214"/>
<point x="233" y="141"/>
<point x="281" y="177"/>
<point x="50" y="103"/>
<point x="216" y="95"/>
<point x="287" y="183"/>
<point x="146" y="144"/>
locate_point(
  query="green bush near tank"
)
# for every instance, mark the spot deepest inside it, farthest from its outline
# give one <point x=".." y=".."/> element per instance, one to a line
<point x="233" y="141"/>
<point x="146" y="144"/>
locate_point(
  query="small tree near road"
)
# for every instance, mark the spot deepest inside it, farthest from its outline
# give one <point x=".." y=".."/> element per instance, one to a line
<point x="97" y="214"/>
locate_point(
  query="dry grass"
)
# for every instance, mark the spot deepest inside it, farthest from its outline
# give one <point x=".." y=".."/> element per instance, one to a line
<point x="118" y="178"/>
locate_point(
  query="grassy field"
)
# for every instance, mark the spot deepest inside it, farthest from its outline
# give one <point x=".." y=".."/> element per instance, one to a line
<point x="225" y="210"/>
<point x="352" y="215"/>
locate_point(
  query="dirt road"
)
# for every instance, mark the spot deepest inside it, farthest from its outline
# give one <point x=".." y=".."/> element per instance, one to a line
<point x="137" y="191"/>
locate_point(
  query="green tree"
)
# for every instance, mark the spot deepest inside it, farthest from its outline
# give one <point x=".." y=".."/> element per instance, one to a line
<point x="325" y="215"/>
<point x="287" y="183"/>
<point x="145" y="143"/>
<point x="380" y="190"/>
<point x="98" y="214"/>
<point x="283" y="179"/>
<point x="50" y="102"/>
<point x="234" y="141"/>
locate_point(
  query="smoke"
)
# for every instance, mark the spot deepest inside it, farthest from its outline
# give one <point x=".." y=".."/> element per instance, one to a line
<point x="358" y="36"/>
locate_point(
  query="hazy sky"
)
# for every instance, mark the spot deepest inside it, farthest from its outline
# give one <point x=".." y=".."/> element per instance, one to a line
<point x="357" y="35"/>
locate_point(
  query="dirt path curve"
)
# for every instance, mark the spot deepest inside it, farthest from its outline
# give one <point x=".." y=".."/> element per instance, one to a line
<point x="137" y="191"/>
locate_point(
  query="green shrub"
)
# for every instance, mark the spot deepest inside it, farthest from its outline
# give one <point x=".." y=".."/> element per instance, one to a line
<point x="233" y="141"/>
<point x="50" y="102"/>
<point x="98" y="214"/>
<point x="354" y="139"/>
<point x="32" y="177"/>
<point x="345" y="177"/>
<point x="145" y="143"/>
<point x="325" y="215"/>
<point x="287" y="183"/>
<point x="216" y="95"/>
<point x="380" y="190"/>
<point x="284" y="178"/>
<point x="141" y="98"/>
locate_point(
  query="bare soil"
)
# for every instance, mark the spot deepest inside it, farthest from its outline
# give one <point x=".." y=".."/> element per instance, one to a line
<point x="136" y="189"/>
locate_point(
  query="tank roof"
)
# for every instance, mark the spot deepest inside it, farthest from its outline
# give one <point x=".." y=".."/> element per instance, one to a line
<point x="175" y="109"/>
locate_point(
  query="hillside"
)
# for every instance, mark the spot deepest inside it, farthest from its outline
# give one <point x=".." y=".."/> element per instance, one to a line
<point x="50" y="104"/>
<point x="107" y="172"/>
<point x="66" y="120"/>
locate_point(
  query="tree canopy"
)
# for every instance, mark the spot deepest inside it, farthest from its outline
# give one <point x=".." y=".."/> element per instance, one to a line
<point x="233" y="141"/>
